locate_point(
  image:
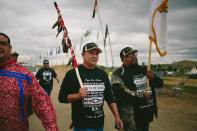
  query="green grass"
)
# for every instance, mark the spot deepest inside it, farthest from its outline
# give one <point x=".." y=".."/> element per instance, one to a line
<point x="179" y="74"/>
<point x="189" y="89"/>
<point x="166" y="79"/>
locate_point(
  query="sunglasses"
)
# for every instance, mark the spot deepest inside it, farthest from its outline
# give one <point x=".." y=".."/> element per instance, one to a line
<point x="3" y="43"/>
<point x="46" y="63"/>
<point x="130" y="55"/>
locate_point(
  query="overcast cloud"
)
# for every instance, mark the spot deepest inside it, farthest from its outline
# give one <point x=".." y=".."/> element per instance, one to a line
<point x="29" y="22"/>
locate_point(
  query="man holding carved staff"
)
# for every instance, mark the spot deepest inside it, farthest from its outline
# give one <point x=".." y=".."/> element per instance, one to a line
<point x="87" y="103"/>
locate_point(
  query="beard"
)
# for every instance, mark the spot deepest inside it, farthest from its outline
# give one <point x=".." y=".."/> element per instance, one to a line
<point x="133" y="64"/>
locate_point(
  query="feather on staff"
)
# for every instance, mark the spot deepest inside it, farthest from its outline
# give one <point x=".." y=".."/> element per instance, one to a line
<point x="66" y="42"/>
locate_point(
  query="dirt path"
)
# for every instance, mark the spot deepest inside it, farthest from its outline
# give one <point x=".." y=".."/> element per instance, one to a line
<point x="176" y="113"/>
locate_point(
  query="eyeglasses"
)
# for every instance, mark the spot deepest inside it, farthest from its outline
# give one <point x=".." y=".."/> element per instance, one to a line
<point x="46" y="63"/>
<point x="3" y="43"/>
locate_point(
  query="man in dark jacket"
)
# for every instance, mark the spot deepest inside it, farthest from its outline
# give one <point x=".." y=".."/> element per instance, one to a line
<point x="129" y="84"/>
<point x="14" y="56"/>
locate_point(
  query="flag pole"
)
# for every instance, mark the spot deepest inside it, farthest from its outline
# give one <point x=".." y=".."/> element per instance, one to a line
<point x="81" y="40"/>
<point x="102" y="34"/>
<point x="148" y="69"/>
<point x="105" y="56"/>
<point x="111" y="49"/>
<point x="100" y="21"/>
<point x="97" y="37"/>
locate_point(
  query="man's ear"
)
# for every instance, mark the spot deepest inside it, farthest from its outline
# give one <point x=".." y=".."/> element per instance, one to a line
<point x="10" y="49"/>
<point x="82" y="54"/>
<point x="122" y="59"/>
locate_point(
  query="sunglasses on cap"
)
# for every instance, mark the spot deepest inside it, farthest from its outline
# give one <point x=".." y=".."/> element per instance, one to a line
<point x="130" y="55"/>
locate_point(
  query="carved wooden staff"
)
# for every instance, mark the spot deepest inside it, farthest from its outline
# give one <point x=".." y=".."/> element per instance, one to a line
<point x="66" y="42"/>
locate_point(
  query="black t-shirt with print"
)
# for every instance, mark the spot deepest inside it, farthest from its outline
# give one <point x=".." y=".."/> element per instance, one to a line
<point x="135" y="78"/>
<point x="45" y="77"/>
<point x="87" y="113"/>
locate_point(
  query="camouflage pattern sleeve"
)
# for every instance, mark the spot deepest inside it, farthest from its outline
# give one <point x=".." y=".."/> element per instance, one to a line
<point x="117" y="80"/>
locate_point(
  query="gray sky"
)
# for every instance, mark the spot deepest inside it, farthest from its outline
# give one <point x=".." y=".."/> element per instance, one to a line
<point x="29" y="22"/>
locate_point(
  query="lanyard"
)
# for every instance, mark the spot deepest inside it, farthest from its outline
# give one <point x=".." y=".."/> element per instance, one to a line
<point x="20" y="77"/>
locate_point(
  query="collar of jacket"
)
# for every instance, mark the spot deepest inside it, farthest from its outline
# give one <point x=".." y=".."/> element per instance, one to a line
<point x="7" y="63"/>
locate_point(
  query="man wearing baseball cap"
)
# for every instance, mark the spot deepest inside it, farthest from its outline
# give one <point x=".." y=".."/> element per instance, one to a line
<point x="129" y="84"/>
<point x="126" y="56"/>
<point x="87" y="103"/>
<point x="14" y="56"/>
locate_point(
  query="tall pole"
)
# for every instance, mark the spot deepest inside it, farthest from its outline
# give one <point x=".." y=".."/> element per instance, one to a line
<point x="148" y="69"/>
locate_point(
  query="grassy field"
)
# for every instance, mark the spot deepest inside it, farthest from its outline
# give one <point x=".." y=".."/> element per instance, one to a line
<point x="190" y="85"/>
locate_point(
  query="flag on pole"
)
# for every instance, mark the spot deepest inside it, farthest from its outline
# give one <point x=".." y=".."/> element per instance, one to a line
<point x="58" y="49"/>
<point x="51" y="52"/>
<point x="94" y="11"/>
<point x="106" y="33"/>
<point x="158" y="25"/>
<point x="87" y="33"/>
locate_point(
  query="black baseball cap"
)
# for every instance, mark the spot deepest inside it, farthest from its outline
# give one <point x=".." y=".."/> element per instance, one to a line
<point x="91" y="46"/>
<point x="126" y="51"/>
<point x="14" y="53"/>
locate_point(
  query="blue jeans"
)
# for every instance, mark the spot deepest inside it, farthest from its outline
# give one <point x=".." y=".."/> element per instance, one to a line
<point x="48" y="91"/>
<point x="80" y="129"/>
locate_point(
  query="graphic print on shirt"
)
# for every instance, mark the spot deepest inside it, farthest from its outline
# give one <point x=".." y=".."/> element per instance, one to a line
<point x="47" y="76"/>
<point x="141" y="84"/>
<point x="94" y="98"/>
<point x="95" y="90"/>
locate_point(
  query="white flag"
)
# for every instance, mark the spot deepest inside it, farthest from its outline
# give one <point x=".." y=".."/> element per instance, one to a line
<point x="158" y="25"/>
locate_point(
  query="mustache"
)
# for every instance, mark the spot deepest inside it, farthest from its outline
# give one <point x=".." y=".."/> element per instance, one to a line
<point x="1" y="50"/>
<point x="94" y="59"/>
